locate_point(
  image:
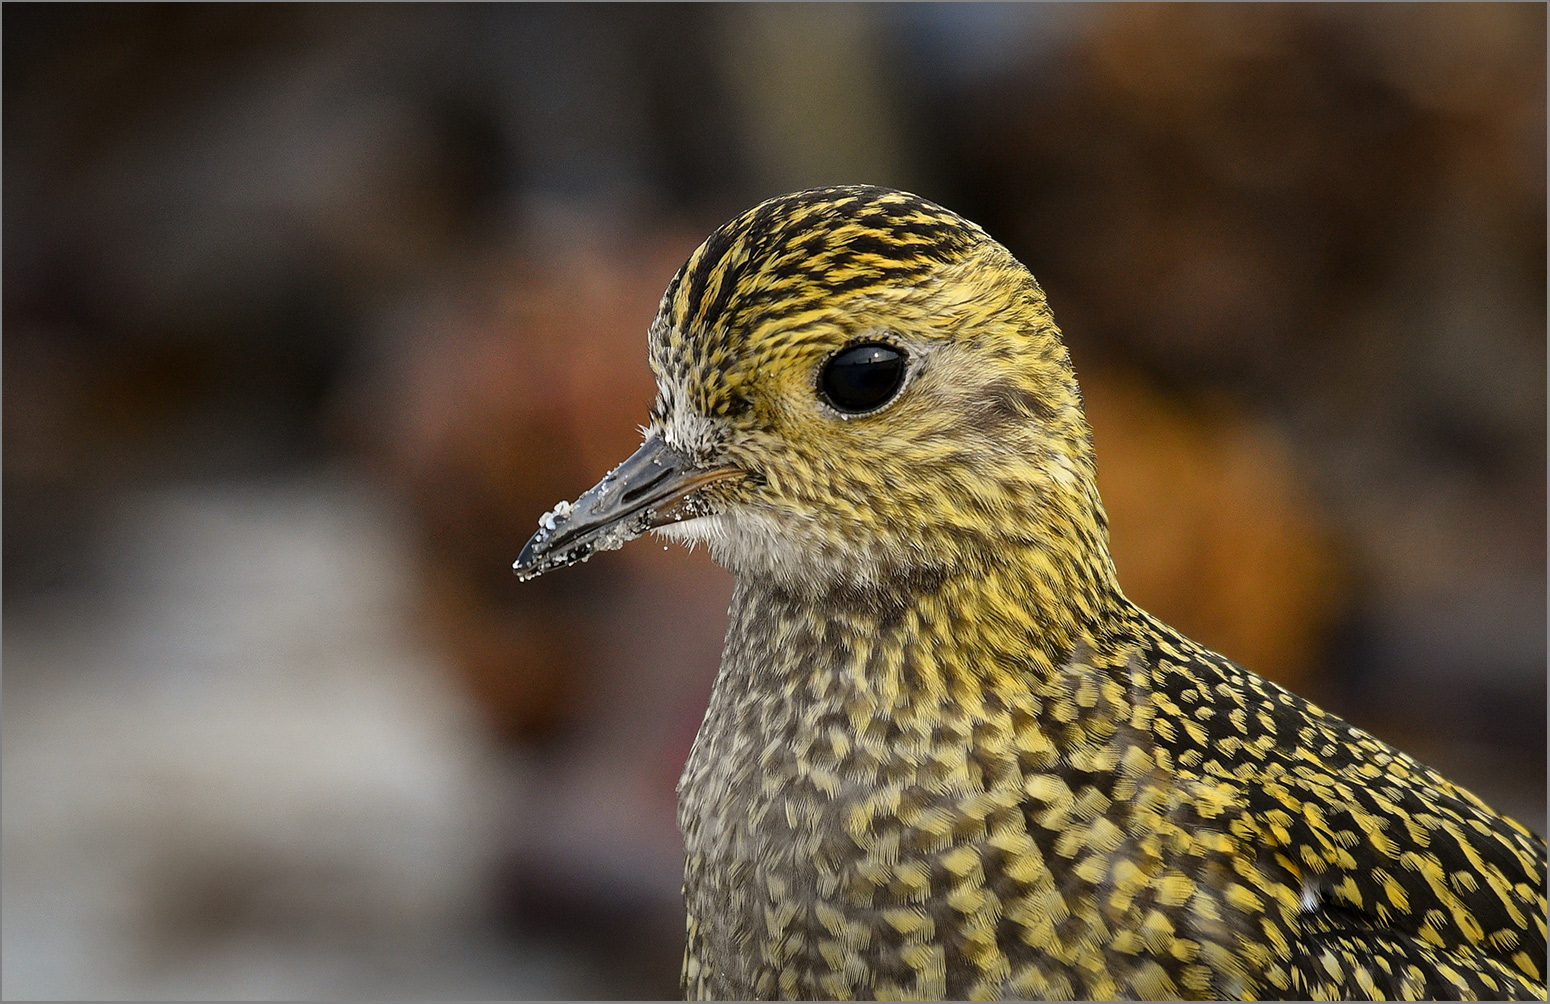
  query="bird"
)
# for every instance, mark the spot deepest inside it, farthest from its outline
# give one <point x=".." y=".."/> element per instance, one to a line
<point x="944" y="756"/>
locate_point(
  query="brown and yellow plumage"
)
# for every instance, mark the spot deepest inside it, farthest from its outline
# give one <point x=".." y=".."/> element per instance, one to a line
<point x="945" y="757"/>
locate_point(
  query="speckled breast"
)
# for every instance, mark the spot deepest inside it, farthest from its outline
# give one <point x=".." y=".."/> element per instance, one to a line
<point x="943" y="850"/>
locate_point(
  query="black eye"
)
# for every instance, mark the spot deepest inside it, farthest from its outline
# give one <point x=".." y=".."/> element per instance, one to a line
<point x="862" y="377"/>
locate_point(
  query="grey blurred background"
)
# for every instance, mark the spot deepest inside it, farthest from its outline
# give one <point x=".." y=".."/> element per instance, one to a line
<point x="310" y="311"/>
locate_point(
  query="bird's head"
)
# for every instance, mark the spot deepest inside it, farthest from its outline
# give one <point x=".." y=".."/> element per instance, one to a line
<point x="856" y="388"/>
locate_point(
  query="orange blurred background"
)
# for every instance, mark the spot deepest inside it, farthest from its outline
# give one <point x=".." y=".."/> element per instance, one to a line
<point x="310" y="311"/>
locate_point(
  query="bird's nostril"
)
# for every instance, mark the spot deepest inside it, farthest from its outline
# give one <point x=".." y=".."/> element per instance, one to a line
<point x="645" y="487"/>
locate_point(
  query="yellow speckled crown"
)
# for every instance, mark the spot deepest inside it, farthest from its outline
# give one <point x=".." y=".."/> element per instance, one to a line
<point x="762" y="279"/>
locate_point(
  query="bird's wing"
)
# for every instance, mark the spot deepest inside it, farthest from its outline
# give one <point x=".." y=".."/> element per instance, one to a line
<point x="1388" y="859"/>
<point x="1338" y="957"/>
<point x="1404" y="869"/>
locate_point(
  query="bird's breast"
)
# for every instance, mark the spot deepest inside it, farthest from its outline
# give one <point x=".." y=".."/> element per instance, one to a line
<point x="840" y="840"/>
<point x="818" y="865"/>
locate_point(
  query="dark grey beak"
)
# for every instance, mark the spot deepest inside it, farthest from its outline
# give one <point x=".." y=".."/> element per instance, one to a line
<point x="656" y="486"/>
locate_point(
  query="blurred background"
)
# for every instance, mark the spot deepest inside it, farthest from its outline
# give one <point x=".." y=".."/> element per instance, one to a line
<point x="310" y="311"/>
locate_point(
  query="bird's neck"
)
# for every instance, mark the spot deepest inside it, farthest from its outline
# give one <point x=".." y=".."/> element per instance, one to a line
<point x="994" y="631"/>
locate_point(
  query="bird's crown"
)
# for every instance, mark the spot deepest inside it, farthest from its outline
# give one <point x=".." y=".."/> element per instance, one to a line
<point x="761" y="278"/>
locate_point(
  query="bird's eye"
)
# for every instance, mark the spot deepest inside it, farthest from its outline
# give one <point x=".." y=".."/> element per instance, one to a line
<point x="862" y="377"/>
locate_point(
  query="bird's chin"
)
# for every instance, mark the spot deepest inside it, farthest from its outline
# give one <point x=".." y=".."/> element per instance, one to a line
<point x="720" y="533"/>
<point x="758" y="546"/>
<point x="692" y="532"/>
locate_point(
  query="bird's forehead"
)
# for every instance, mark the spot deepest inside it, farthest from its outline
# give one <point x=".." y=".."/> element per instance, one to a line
<point x="791" y="260"/>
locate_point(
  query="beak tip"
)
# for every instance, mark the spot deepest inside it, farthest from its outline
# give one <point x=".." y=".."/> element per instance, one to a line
<point x="537" y="555"/>
<point x="528" y="564"/>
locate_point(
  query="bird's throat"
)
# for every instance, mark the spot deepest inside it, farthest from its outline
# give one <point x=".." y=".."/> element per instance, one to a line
<point x="923" y="640"/>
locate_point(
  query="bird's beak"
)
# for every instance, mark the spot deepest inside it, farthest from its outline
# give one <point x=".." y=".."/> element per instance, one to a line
<point x="656" y="486"/>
